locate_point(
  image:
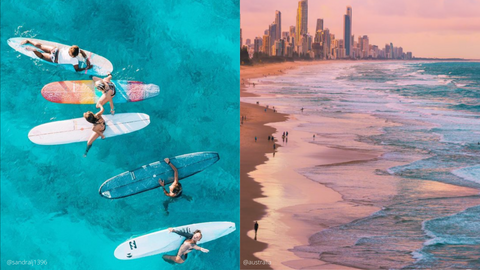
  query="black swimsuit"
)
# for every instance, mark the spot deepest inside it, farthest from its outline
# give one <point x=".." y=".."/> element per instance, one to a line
<point x="99" y="123"/>
<point x="112" y="87"/>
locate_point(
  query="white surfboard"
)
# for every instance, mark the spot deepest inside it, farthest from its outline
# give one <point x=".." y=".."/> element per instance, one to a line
<point x="101" y="65"/>
<point x="79" y="130"/>
<point x="165" y="241"/>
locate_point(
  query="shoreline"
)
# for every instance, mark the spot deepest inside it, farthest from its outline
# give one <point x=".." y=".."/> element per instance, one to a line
<point x="292" y="211"/>
<point x="268" y="200"/>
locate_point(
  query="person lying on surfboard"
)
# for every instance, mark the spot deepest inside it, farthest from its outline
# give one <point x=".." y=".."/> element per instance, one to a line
<point x="175" y="189"/>
<point x="108" y="88"/>
<point x="59" y="56"/>
<point x="187" y="246"/>
<point x="99" y="127"/>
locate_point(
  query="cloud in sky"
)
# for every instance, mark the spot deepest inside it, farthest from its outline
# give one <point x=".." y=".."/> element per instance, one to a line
<point x="428" y="28"/>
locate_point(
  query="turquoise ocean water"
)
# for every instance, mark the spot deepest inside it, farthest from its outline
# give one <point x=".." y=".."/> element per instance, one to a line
<point x="431" y="152"/>
<point x="51" y="209"/>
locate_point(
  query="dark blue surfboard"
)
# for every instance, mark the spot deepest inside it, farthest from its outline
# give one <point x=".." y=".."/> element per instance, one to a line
<point x="146" y="177"/>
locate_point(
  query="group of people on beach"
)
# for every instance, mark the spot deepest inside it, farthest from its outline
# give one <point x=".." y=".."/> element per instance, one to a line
<point x="107" y="87"/>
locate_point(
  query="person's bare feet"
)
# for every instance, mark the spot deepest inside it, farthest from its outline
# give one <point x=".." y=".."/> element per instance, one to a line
<point x="30" y="49"/>
<point x="25" y="42"/>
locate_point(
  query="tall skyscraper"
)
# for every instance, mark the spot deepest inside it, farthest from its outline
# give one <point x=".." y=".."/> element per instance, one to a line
<point x="302" y="20"/>
<point x="347" y="31"/>
<point x="292" y="37"/>
<point x="326" y="44"/>
<point x="391" y="49"/>
<point x="257" y="44"/>
<point x="365" y="47"/>
<point x="319" y="25"/>
<point x="266" y="45"/>
<point x="272" y="30"/>
<point x="278" y="22"/>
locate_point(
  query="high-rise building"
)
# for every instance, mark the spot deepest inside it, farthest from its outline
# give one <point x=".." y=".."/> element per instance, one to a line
<point x="326" y="44"/>
<point x="248" y="41"/>
<point x="387" y="51"/>
<point x="319" y="25"/>
<point x="302" y="44"/>
<point x="347" y="31"/>
<point x="318" y="36"/>
<point x="341" y="48"/>
<point x="391" y="49"/>
<point x="317" y="50"/>
<point x="365" y="47"/>
<point x="266" y="44"/>
<point x="278" y="22"/>
<point x="272" y="30"/>
<point x="292" y="36"/>
<point x="257" y="44"/>
<point x="279" y="47"/>
<point x="302" y="20"/>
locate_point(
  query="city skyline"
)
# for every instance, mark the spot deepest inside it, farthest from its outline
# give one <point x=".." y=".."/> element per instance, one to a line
<point x="429" y="29"/>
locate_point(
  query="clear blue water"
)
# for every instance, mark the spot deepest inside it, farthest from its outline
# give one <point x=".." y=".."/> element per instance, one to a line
<point x="51" y="209"/>
<point x="431" y="153"/>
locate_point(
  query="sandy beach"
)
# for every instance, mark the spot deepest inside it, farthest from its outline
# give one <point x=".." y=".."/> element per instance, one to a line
<point x="292" y="209"/>
<point x="273" y="193"/>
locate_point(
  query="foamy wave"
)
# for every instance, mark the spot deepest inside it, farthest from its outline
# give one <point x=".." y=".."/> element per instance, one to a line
<point x="457" y="229"/>
<point x="469" y="173"/>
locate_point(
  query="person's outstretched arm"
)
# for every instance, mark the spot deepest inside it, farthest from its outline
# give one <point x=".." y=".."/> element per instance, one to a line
<point x="204" y="250"/>
<point x="181" y="233"/>
<point x="175" y="171"/>
<point x="84" y="54"/>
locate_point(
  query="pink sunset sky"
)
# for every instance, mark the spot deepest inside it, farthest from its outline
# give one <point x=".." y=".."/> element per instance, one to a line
<point x="428" y="28"/>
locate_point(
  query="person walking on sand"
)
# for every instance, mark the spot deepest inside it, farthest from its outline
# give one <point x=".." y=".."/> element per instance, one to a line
<point x="255" y="138"/>
<point x="314" y="137"/>
<point x="269" y="138"/>
<point x="255" y="227"/>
